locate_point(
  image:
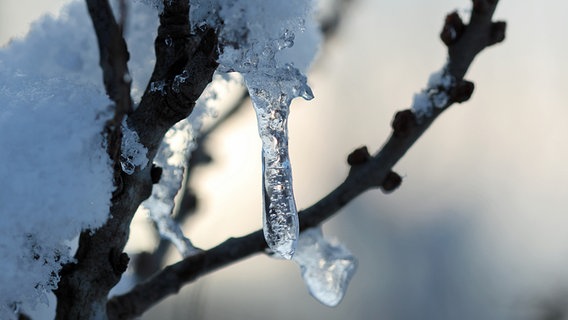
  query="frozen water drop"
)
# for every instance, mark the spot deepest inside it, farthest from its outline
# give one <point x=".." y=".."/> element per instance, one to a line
<point x="127" y="77"/>
<point x="255" y="38"/>
<point x="307" y="94"/>
<point x="327" y="268"/>
<point x="179" y="80"/>
<point x="169" y="42"/>
<point x="158" y="86"/>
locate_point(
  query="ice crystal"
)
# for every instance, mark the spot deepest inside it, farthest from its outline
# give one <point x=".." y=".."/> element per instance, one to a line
<point x="133" y="153"/>
<point x="158" y="86"/>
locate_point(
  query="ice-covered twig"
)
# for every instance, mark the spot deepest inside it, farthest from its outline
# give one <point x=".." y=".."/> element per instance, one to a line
<point x="172" y="158"/>
<point x="187" y="202"/>
<point x="367" y="172"/>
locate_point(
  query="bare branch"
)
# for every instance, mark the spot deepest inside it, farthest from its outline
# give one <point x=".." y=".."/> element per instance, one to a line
<point x="366" y="172"/>
<point x="113" y="61"/>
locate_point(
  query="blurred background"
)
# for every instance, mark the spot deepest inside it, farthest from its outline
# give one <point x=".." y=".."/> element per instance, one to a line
<point x="477" y="229"/>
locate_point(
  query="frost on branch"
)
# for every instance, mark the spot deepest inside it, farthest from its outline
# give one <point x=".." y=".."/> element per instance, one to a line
<point x="436" y="94"/>
<point x="172" y="158"/>
<point x="326" y="267"/>
<point x="271" y="43"/>
<point x="133" y="153"/>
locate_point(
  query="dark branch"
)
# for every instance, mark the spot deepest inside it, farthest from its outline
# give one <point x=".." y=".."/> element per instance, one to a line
<point x="83" y="290"/>
<point x="367" y="172"/>
<point x="113" y="61"/>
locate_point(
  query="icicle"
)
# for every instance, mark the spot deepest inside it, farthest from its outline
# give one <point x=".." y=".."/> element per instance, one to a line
<point x="271" y="97"/>
<point x="257" y="40"/>
<point x="326" y="268"/>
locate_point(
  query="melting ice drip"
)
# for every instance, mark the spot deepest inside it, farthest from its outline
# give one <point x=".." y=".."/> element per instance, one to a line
<point x="271" y="102"/>
<point x="327" y="268"/>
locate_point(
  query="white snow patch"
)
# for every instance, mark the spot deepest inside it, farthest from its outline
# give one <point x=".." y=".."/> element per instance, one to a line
<point x="435" y="95"/>
<point x="56" y="176"/>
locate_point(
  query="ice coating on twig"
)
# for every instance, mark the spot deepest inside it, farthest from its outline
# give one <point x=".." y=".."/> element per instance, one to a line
<point x="326" y="267"/>
<point x="172" y="158"/>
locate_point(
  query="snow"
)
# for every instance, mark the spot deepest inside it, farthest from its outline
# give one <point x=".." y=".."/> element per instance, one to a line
<point x="56" y="177"/>
<point x="56" y="173"/>
<point x="327" y="268"/>
<point x="434" y="96"/>
<point x="258" y="40"/>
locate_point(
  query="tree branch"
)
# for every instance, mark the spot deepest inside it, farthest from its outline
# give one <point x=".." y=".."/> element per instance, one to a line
<point x="84" y="286"/>
<point x="116" y="78"/>
<point x="366" y="172"/>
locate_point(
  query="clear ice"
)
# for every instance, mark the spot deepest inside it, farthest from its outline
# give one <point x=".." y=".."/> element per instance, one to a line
<point x="326" y="268"/>
<point x="271" y="100"/>
<point x="172" y="158"/>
